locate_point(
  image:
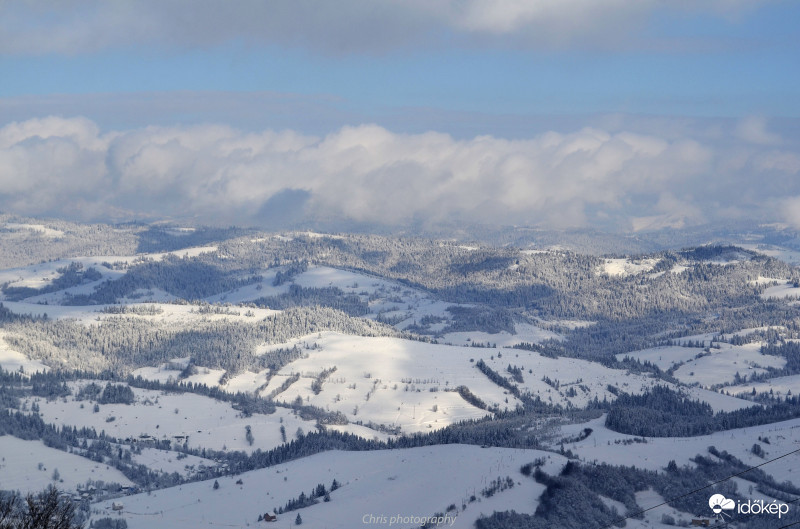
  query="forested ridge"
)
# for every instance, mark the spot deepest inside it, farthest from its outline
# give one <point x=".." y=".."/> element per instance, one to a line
<point x="124" y="343"/>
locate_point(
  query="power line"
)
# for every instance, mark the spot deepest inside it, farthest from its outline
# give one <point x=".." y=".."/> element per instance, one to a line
<point x="698" y="490"/>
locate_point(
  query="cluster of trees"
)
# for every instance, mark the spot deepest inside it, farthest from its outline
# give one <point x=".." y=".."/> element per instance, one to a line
<point x="316" y="386"/>
<point x="662" y="412"/>
<point x="497" y="485"/>
<point x="332" y="297"/>
<point x="483" y="318"/>
<point x="108" y="523"/>
<point x="117" y="394"/>
<point x="46" y="510"/>
<point x="307" y="500"/>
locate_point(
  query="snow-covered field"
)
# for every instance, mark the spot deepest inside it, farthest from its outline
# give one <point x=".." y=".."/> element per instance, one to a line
<point x="783" y="290"/>
<point x="721" y="365"/>
<point x="779" y="386"/>
<point x="390" y="381"/>
<point x="208" y="423"/>
<point x="665" y="356"/>
<point x="717" y="366"/>
<point x="400" y="382"/>
<point x="168" y="462"/>
<point x="607" y="446"/>
<point x="786" y="255"/>
<point x="524" y="333"/>
<point x="39" y="229"/>
<point x="12" y="360"/>
<point x="29" y="466"/>
<point x="627" y="267"/>
<point x="416" y="482"/>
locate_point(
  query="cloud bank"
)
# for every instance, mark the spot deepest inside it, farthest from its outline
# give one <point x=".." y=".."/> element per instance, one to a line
<point x="345" y="26"/>
<point x="624" y="180"/>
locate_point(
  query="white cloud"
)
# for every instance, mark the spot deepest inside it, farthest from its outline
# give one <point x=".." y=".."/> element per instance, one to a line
<point x="753" y="129"/>
<point x="57" y="166"/>
<point x="790" y="210"/>
<point x="345" y="26"/>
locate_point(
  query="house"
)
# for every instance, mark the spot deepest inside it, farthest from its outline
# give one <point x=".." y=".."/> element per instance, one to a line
<point x="116" y="506"/>
<point x="270" y="517"/>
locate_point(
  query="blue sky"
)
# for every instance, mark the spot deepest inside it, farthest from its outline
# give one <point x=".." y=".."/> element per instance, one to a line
<point x="715" y="72"/>
<point x="725" y="62"/>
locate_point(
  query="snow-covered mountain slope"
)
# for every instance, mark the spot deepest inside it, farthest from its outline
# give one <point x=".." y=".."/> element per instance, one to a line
<point x="30" y="466"/>
<point x="410" y="483"/>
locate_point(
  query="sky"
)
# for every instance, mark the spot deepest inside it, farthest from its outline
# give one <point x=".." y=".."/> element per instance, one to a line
<point x="617" y="114"/>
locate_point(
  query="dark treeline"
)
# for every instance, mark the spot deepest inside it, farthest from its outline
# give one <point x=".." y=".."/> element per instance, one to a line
<point x="153" y="239"/>
<point x="332" y="297"/>
<point x="662" y="412"/>
<point x="185" y="278"/>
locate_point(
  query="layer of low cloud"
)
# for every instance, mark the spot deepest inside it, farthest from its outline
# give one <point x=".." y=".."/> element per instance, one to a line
<point x="626" y="180"/>
<point x="345" y="26"/>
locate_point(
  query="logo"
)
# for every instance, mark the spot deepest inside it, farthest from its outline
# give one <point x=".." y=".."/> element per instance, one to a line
<point x="719" y="503"/>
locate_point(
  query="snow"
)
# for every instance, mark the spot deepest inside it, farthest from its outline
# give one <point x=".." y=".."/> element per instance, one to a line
<point x="42" y="274"/>
<point x="780" y="386"/>
<point x="169" y="313"/>
<point x="607" y="446"/>
<point x="82" y="314"/>
<point x="724" y="361"/>
<point x="252" y="291"/>
<point x="785" y="290"/>
<point x="406" y="381"/>
<point x="208" y="423"/>
<point x="19" y="467"/>
<point x="524" y="333"/>
<point x="786" y="255"/>
<point x="167" y="461"/>
<point x="624" y="267"/>
<point x="587" y="379"/>
<point x="664" y="356"/>
<point x="247" y="382"/>
<point x="721" y="365"/>
<point x="766" y="280"/>
<point x="706" y="338"/>
<point x="384" y="296"/>
<point x="647" y="499"/>
<point x="12" y="360"/>
<point x="717" y="401"/>
<point x="415" y="482"/>
<point x="409" y="384"/>
<point x="387" y="298"/>
<point x="39" y="229"/>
